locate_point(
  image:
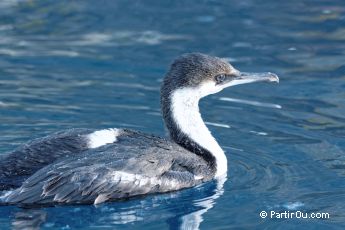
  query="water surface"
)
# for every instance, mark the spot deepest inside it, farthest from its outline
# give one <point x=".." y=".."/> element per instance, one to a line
<point x="99" y="64"/>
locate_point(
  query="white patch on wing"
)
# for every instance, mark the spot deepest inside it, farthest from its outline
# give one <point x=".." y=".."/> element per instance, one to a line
<point x="137" y="184"/>
<point x="185" y="110"/>
<point x="128" y="177"/>
<point x="137" y="179"/>
<point x="198" y="177"/>
<point x="102" y="137"/>
<point x="100" y="199"/>
<point x="141" y="180"/>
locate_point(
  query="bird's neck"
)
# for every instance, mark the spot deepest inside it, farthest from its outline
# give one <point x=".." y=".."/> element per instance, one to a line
<point x="188" y="129"/>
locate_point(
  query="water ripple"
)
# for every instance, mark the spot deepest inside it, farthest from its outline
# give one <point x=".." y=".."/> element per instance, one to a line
<point x="249" y="102"/>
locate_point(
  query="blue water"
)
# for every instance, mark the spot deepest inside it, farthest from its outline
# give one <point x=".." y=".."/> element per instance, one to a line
<point x="98" y="64"/>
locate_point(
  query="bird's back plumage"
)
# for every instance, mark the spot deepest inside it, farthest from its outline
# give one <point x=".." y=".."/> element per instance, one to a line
<point x="135" y="164"/>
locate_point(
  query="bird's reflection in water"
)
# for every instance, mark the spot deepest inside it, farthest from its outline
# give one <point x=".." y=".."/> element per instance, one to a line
<point x="179" y="210"/>
<point x="28" y="219"/>
<point x="193" y="220"/>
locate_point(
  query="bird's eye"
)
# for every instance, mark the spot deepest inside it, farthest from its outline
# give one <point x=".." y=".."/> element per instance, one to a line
<point x="220" y="78"/>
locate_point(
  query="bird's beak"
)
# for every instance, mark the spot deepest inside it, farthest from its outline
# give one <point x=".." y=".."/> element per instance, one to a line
<point x="253" y="77"/>
<point x="244" y="78"/>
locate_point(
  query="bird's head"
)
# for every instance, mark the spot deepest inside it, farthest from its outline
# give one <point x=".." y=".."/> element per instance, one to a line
<point x="208" y="75"/>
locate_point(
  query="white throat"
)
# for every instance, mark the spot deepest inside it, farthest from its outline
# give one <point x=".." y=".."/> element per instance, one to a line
<point x="185" y="112"/>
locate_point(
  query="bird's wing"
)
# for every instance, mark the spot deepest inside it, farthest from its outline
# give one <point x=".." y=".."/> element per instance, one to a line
<point x="18" y="165"/>
<point x="86" y="181"/>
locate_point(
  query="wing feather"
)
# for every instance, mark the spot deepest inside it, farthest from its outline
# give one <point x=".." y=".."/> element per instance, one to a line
<point x="95" y="184"/>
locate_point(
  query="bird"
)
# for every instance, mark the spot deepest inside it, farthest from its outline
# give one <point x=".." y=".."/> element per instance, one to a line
<point x="88" y="166"/>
